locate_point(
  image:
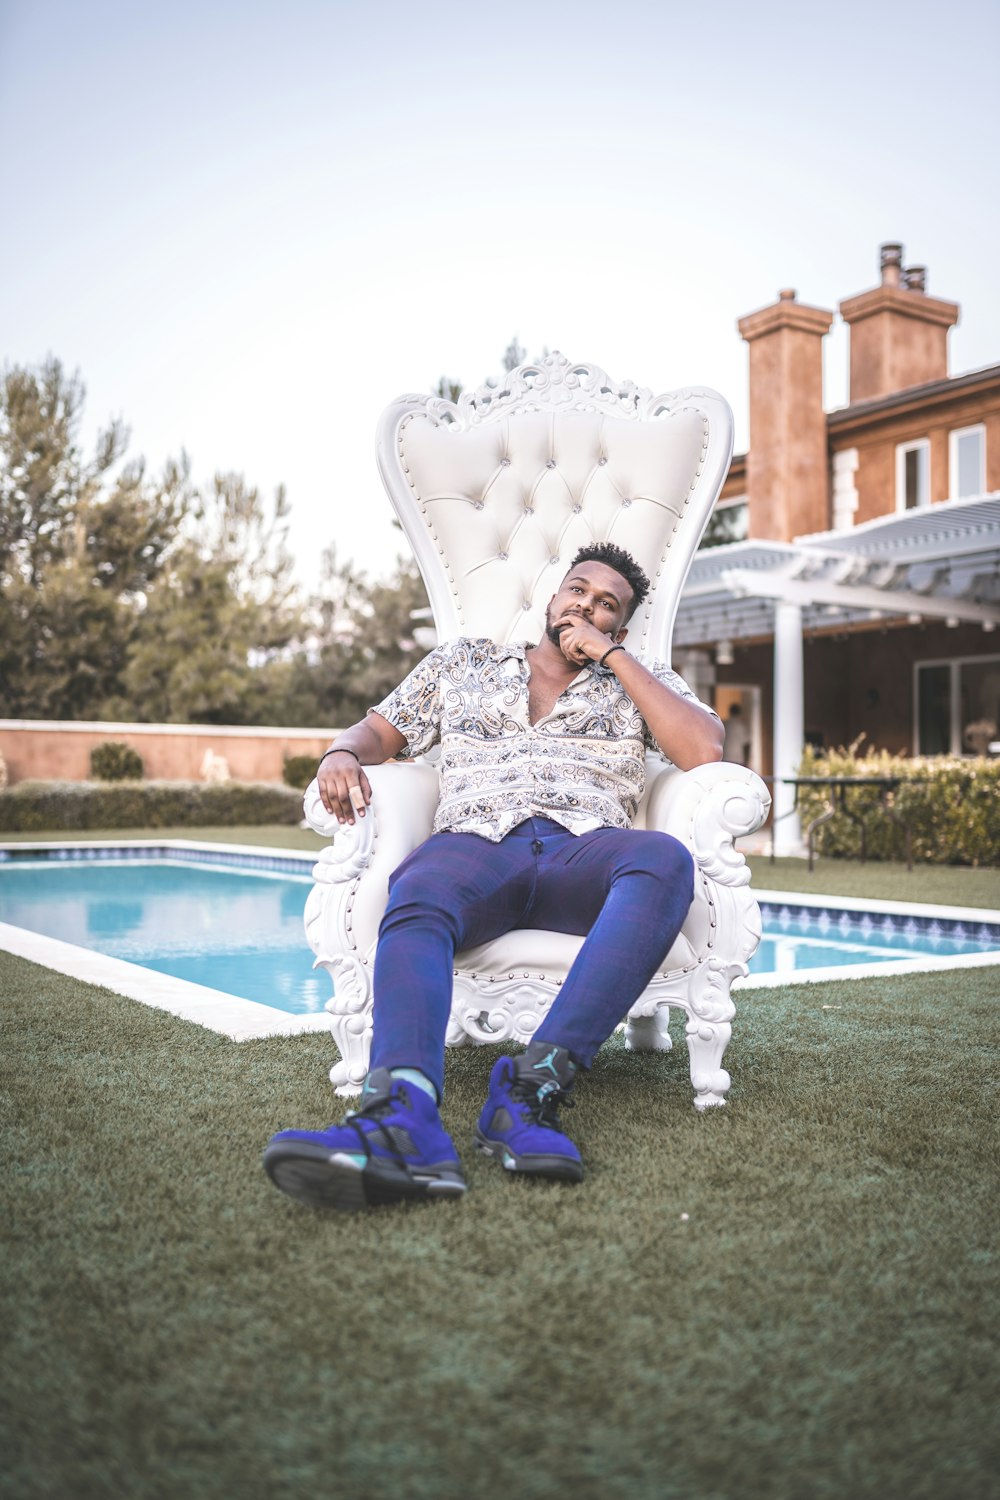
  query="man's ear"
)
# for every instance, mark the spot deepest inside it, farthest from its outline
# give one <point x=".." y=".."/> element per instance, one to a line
<point x="620" y="636"/>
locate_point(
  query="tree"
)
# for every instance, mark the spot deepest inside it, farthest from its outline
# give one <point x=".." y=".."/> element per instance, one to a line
<point x="513" y="355"/>
<point x="81" y="543"/>
<point x="225" y="608"/>
<point x="125" y="596"/>
<point x="448" y="389"/>
<point x="727" y="523"/>
<point x="364" y="642"/>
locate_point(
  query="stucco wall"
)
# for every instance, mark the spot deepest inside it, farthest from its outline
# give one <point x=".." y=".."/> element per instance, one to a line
<point x="34" y="748"/>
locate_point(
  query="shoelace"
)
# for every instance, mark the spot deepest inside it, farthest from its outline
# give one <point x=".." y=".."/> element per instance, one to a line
<point x="544" y="1109"/>
<point x="375" y="1113"/>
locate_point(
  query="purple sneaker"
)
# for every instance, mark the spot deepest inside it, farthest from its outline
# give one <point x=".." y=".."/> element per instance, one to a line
<point x="393" y="1147"/>
<point x="519" y="1125"/>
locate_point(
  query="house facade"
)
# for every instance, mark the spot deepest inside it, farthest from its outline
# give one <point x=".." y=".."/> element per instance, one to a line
<point x="855" y="588"/>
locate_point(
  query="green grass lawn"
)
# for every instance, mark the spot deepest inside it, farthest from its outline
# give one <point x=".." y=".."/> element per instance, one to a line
<point x="819" y="1327"/>
<point x="949" y="885"/>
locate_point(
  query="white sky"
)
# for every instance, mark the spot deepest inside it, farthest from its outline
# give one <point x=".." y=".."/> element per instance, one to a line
<point x="250" y="225"/>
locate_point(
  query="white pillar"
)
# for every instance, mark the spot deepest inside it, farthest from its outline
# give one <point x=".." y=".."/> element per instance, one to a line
<point x="789" y="723"/>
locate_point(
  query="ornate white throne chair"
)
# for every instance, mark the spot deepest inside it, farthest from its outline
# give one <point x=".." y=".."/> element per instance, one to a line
<point x="495" y="495"/>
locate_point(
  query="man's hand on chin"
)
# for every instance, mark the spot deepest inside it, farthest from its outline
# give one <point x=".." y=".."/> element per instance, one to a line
<point x="580" y="641"/>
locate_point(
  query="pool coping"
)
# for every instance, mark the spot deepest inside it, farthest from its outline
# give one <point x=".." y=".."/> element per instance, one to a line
<point x="253" y="856"/>
<point x="240" y="1020"/>
<point x="247" y="1020"/>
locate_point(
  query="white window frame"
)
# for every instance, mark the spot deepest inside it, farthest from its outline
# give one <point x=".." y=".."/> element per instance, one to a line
<point x="953" y="437"/>
<point x="954" y="664"/>
<point x="902" y="449"/>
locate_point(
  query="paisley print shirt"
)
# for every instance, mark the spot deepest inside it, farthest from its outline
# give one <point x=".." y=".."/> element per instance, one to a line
<point x="583" y="764"/>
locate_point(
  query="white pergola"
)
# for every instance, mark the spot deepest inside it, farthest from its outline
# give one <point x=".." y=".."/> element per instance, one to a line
<point x="939" y="562"/>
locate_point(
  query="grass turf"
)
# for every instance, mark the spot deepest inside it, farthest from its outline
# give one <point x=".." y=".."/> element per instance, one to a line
<point x="818" y="1327"/>
<point x="946" y="885"/>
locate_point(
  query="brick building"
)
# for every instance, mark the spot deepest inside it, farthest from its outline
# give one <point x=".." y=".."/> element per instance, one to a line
<point x="860" y="590"/>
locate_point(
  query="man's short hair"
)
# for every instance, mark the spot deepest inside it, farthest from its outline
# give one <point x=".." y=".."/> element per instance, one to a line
<point x="623" y="562"/>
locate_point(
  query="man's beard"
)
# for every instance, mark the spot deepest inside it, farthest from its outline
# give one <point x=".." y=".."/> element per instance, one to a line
<point x="553" y="631"/>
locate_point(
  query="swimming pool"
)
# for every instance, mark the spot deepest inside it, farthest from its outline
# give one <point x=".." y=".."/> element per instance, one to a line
<point x="809" y="938"/>
<point x="214" y="933"/>
<point x="234" y="929"/>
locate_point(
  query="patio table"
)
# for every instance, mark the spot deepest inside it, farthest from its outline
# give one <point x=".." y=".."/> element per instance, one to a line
<point x="837" y="788"/>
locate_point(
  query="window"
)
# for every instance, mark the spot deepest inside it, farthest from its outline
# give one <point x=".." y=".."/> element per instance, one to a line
<point x="913" y="474"/>
<point x="729" y="522"/>
<point x="958" y="706"/>
<point x="934" y="708"/>
<point x="966" y="462"/>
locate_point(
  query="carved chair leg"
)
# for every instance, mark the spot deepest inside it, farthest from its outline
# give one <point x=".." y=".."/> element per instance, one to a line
<point x="707" y="1041"/>
<point x="649" y="1033"/>
<point x="350" y="1012"/>
<point x="353" y="1036"/>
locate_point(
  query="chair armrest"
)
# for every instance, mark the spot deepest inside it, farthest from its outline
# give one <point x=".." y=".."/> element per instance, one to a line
<point x="354" y="869"/>
<point x="404" y="800"/>
<point x="707" y="808"/>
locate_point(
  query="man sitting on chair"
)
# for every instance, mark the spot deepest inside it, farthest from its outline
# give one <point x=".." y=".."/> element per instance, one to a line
<point x="542" y="767"/>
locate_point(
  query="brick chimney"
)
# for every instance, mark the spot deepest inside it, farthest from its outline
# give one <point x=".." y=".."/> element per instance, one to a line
<point x="899" y="335"/>
<point x="787" y="466"/>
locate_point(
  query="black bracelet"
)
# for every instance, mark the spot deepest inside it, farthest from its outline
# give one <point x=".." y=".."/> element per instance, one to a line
<point x="337" y="750"/>
<point x="608" y="653"/>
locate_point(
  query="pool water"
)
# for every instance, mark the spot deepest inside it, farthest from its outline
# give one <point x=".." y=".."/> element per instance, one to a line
<point x="239" y="930"/>
<point x="234" y="930"/>
<point x="803" y="939"/>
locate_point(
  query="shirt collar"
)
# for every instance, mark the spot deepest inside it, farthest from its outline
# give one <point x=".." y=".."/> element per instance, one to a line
<point x="520" y="649"/>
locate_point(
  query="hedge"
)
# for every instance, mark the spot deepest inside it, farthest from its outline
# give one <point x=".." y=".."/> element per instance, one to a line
<point x="115" y="761"/>
<point x="952" y="807"/>
<point x="53" y="806"/>
<point x="299" y="770"/>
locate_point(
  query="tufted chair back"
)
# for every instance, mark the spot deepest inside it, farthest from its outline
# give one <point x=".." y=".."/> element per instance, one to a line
<point x="498" y="492"/>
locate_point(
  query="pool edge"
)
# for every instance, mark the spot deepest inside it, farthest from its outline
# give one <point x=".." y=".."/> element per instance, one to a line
<point x="229" y="1015"/>
<point x="248" y="1020"/>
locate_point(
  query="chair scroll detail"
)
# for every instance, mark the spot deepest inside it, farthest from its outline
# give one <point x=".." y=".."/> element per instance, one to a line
<point x="495" y="494"/>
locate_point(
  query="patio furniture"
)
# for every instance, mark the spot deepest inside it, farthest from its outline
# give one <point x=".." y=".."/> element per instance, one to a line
<point x="836" y="788"/>
<point x="496" y="493"/>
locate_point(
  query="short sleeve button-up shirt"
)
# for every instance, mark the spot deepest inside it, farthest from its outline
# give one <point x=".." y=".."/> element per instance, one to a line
<point x="582" y="764"/>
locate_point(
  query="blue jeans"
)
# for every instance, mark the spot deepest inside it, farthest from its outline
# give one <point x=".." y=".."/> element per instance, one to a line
<point x="627" y="890"/>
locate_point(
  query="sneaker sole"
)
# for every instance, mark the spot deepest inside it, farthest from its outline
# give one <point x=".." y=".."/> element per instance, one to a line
<point x="561" y="1168"/>
<point x="333" y="1179"/>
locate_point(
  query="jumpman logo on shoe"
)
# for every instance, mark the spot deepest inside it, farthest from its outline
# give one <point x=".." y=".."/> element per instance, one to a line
<point x="547" y="1062"/>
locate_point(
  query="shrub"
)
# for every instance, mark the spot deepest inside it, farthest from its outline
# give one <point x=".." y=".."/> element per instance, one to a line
<point x="58" y="806"/>
<point x="952" y="807"/>
<point x="299" y="770"/>
<point x="114" y="761"/>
